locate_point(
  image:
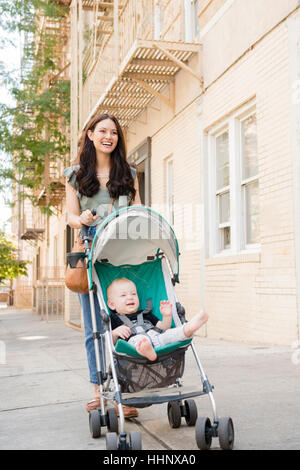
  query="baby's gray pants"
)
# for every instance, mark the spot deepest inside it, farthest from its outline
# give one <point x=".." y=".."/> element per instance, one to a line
<point x="160" y="339"/>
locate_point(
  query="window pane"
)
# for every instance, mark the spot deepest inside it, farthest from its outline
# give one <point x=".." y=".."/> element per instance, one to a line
<point x="222" y="160"/>
<point x="196" y="20"/>
<point x="252" y="213"/>
<point x="249" y="147"/>
<point x="224" y="208"/>
<point x="225" y="238"/>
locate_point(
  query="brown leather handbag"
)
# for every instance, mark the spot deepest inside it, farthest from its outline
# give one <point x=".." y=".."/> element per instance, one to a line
<point x="76" y="274"/>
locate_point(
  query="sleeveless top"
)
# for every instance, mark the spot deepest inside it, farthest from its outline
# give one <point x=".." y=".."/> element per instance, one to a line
<point x="101" y="201"/>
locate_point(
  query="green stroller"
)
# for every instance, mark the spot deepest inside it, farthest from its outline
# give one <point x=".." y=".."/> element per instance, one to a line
<point x="137" y="243"/>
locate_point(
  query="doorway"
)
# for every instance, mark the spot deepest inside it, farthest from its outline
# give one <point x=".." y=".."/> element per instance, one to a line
<point x="140" y="159"/>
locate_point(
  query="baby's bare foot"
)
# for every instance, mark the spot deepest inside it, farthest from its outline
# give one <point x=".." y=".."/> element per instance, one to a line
<point x="145" y="348"/>
<point x="195" y="323"/>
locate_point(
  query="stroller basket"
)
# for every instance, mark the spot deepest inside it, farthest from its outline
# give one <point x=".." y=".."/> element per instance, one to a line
<point x="136" y="374"/>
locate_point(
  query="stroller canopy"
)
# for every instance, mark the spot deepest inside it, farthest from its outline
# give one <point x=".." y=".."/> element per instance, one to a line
<point x="133" y="235"/>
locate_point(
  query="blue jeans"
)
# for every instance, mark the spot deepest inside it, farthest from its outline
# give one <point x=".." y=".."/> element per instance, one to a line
<point x="88" y="330"/>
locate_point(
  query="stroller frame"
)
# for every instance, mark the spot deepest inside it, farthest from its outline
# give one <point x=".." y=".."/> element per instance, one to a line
<point x="177" y="398"/>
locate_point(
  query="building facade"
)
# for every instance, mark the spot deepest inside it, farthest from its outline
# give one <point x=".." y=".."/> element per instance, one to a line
<point x="207" y="92"/>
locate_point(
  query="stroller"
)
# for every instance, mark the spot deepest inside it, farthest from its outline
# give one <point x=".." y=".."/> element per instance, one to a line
<point x="137" y="243"/>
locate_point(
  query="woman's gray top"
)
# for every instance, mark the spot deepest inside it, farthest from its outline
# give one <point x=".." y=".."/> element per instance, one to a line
<point x="101" y="201"/>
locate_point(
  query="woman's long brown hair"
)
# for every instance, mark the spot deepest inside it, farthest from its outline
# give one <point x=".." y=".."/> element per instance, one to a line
<point x="120" y="178"/>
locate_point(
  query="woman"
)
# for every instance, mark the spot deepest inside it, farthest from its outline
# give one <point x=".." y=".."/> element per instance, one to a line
<point x="103" y="180"/>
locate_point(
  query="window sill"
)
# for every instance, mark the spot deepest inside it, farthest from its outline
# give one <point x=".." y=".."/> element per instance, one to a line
<point x="243" y="257"/>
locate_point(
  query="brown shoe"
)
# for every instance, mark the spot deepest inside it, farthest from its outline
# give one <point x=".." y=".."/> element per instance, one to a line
<point x="129" y="411"/>
<point x="94" y="404"/>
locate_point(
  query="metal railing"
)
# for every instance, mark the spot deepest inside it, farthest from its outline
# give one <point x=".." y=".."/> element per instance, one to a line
<point x="49" y="292"/>
<point x="136" y="21"/>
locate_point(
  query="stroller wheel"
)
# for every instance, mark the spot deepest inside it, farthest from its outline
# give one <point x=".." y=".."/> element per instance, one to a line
<point x="174" y="414"/>
<point x="135" y="440"/>
<point x="112" y="420"/>
<point x="95" y="423"/>
<point x="203" y="433"/>
<point x="111" y="441"/>
<point x="226" y="433"/>
<point x="191" y="413"/>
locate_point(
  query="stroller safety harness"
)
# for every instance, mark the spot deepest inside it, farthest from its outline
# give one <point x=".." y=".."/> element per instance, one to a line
<point x="138" y="243"/>
<point x="140" y="326"/>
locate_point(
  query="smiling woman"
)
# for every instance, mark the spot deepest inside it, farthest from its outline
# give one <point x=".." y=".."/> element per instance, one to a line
<point x="101" y="179"/>
<point x="101" y="174"/>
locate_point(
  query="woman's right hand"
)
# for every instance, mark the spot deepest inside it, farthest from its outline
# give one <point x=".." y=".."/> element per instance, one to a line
<point x="87" y="218"/>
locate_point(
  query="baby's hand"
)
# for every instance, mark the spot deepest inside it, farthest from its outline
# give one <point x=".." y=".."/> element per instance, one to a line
<point x="166" y="308"/>
<point x="122" y="331"/>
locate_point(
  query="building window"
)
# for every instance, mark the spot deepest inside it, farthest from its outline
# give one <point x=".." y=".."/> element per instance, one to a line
<point x="250" y="187"/>
<point x="195" y="4"/>
<point x="38" y="264"/>
<point x="70" y="237"/>
<point x="169" y="181"/>
<point x="191" y="20"/>
<point x="140" y="158"/>
<point x="55" y="250"/>
<point x="158" y="20"/>
<point x="233" y="183"/>
<point x="223" y="189"/>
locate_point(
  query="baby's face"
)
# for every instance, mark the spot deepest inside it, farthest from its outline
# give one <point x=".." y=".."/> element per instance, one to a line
<point x="124" y="298"/>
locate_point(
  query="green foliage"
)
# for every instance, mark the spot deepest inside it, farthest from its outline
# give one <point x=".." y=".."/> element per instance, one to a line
<point x="10" y="266"/>
<point x="17" y="15"/>
<point x="37" y="124"/>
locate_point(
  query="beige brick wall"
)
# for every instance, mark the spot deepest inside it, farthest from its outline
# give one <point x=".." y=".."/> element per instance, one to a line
<point x="250" y="297"/>
<point x="171" y="28"/>
<point x="242" y="24"/>
<point x="256" y="300"/>
<point x="207" y="9"/>
<point x="22" y="294"/>
<point x="180" y="139"/>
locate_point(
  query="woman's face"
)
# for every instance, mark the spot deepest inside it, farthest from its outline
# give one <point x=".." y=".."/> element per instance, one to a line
<point x="105" y="136"/>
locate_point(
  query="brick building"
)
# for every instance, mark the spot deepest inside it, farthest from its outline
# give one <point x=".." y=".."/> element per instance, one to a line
<point x="208" y="94"/>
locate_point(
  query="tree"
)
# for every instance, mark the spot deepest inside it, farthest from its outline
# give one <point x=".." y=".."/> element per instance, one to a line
<point x="37" y="124"/>
<point x="10" y="266"/>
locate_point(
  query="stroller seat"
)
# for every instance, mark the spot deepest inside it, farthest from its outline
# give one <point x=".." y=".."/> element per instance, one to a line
<point x="135" y="372"/>
<point x="149" y="280"/>
<point x="123" y="347"/>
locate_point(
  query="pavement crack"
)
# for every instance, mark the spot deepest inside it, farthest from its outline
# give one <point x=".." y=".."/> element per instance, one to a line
<point x="161" y="442"/>
<point x="41" y="406"/>
<point x="41" y="372"/>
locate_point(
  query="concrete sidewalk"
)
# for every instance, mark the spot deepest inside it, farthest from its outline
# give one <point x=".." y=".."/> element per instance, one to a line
<point x="45" y="386"/>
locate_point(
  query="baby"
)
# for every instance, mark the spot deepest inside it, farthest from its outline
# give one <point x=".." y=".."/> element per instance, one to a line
<point x="123" y="299"/>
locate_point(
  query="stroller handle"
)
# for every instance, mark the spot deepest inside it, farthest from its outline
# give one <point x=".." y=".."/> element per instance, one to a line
<point x="85" y="228"/>
<point x="85" y="232"/>
<point x="74" y="257"/>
